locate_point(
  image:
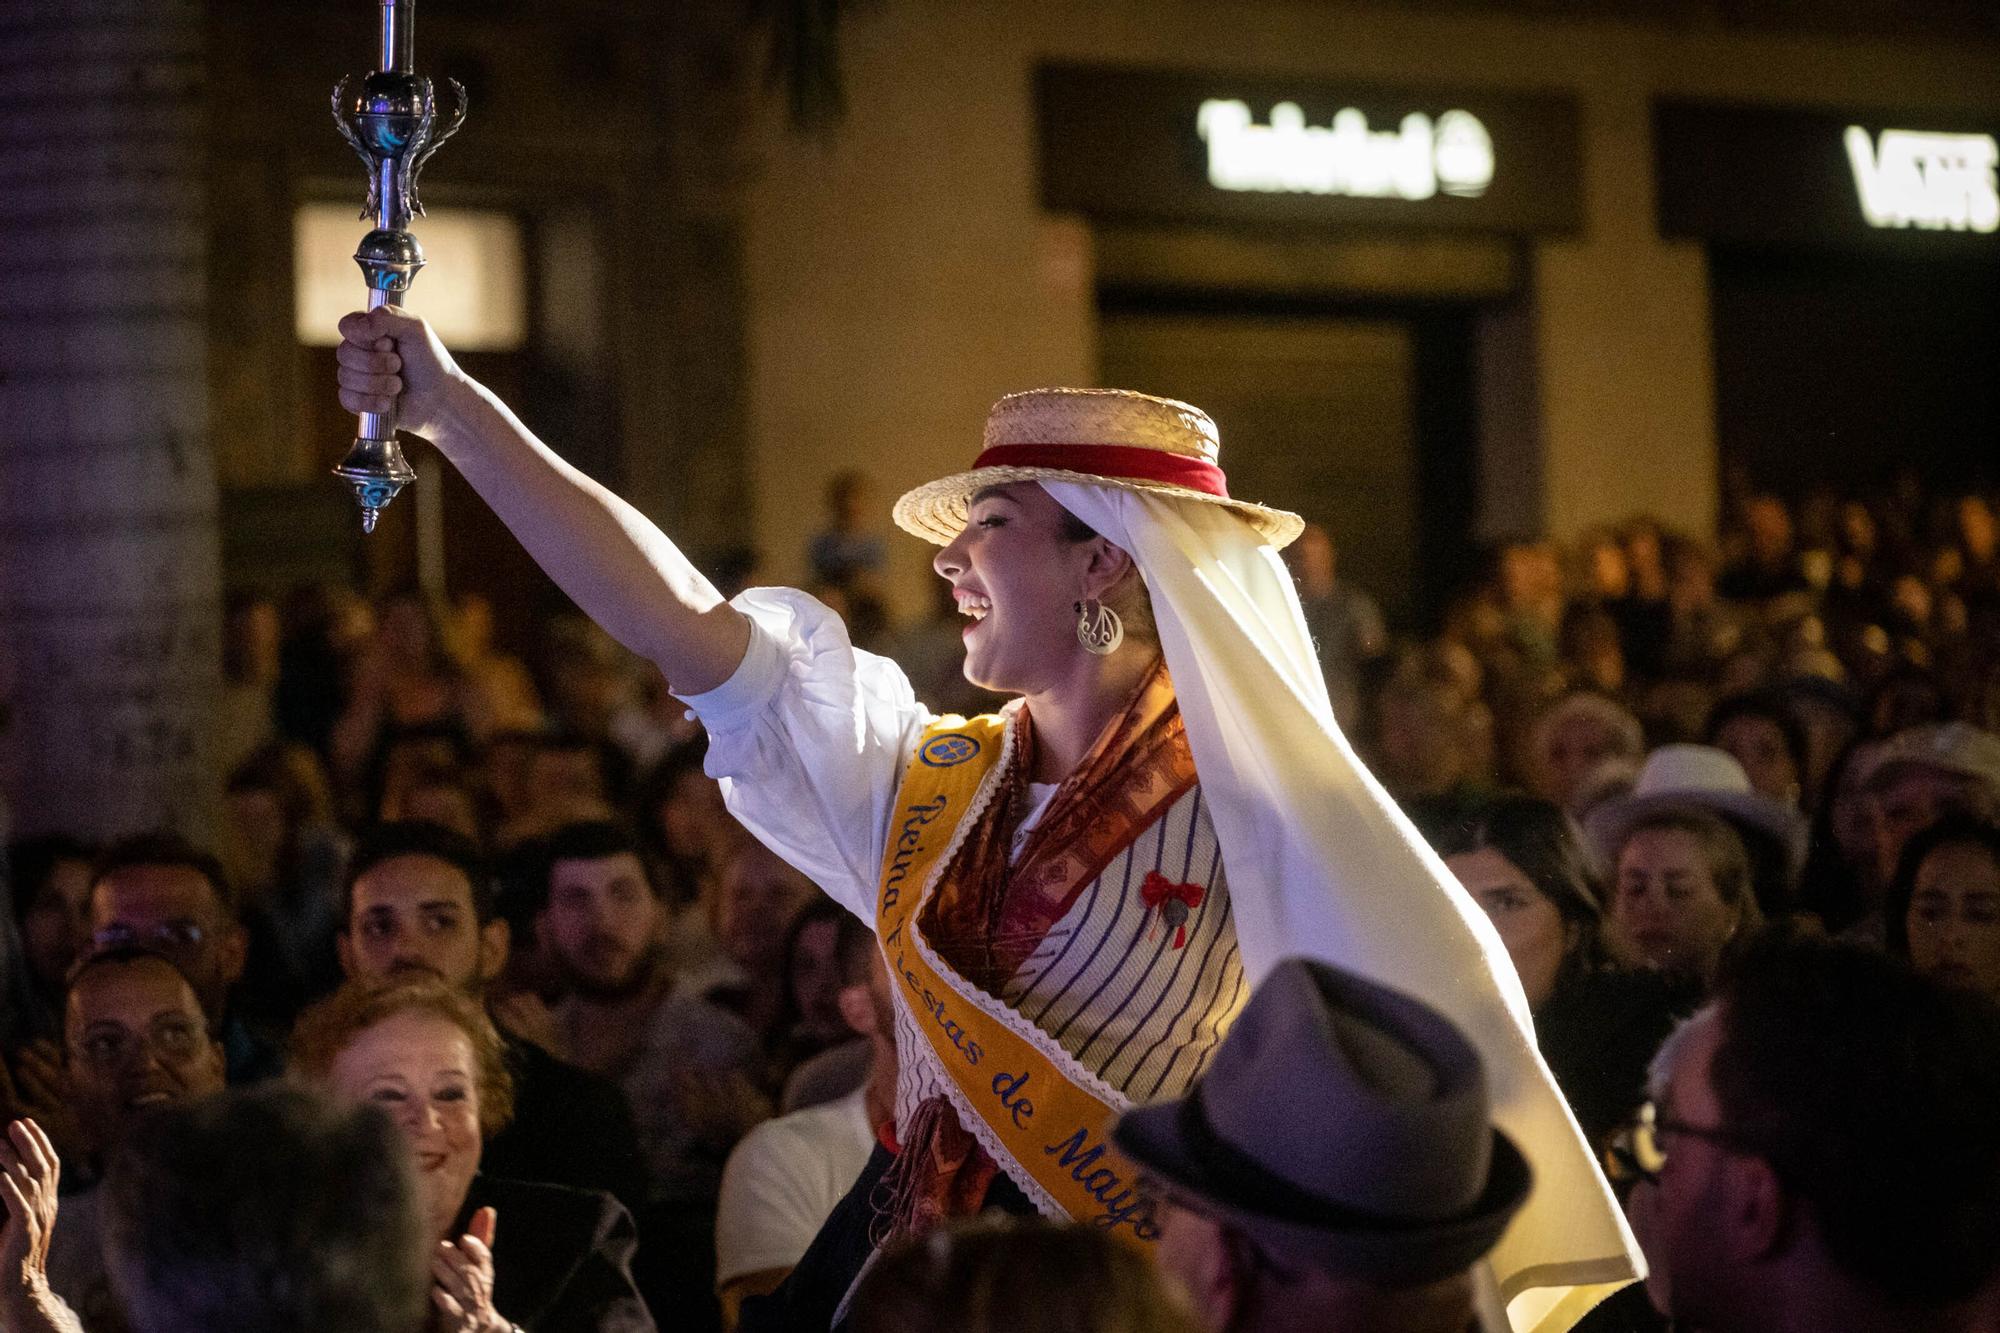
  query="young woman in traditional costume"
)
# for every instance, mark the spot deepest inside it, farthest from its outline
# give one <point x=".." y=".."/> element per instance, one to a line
<point x="1072" y="895"/>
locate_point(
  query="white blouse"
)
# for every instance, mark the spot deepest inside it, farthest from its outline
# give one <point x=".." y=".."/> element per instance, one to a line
<point x="810" y="737"/>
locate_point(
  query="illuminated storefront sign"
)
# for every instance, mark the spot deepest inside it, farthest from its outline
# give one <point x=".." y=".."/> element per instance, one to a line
<point x="1413" y="161"/>
<point x="1178" y="147"/>
<point x="1909" y="178"/>
<point x="1803" y="178"/>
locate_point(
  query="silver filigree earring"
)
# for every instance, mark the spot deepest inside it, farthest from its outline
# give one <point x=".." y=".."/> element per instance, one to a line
<point x="1098" y="627"/>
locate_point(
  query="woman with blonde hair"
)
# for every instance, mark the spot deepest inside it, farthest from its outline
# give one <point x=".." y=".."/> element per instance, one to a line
<point x="1681" y="894"/>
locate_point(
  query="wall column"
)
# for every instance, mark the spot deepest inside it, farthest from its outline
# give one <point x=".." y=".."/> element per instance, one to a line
<point x="109" y="583"/>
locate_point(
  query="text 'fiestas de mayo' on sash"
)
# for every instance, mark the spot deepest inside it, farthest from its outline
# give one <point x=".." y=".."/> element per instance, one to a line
<point x="1053" y="1130"/>
<point x="1412" y="162"/>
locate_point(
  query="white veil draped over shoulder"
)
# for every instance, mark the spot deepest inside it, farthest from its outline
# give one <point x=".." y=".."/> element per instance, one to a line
<point x="1322" y="863"/>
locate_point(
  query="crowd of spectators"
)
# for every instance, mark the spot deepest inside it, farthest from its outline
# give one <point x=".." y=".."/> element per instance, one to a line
<point x="634" y="1060"/>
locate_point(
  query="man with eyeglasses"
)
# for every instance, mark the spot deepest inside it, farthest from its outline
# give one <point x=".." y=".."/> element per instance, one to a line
<point x="135" y="1039"/>
<point x="1821" y="1152"/>
<point x="161" y="893"/>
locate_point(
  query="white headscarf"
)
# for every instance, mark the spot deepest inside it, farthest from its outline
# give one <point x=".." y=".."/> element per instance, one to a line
<point x="1322" y="863"/>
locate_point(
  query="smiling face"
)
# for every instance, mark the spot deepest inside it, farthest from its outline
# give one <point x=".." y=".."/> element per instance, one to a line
<point x="135" y="1039"/>
<point x="419" y="1067"/>
<point x="1954" y="917"/>
<point x="1017" y="577"/>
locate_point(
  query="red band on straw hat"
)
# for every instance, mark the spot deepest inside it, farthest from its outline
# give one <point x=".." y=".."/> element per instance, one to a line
<point x="1113" y="462"/>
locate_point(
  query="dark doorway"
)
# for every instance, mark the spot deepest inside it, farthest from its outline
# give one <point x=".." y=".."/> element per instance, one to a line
<point x="1359" y="416"/>
<point x="1853" y="370"/>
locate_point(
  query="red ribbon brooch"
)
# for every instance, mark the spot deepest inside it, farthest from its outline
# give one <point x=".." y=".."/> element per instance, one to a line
<point x="1174" y="902"/>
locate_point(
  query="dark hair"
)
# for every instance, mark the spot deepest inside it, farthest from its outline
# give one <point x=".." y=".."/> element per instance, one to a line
<point x="855" y="948"/>
<point x="1951" y="831"/>
<point x="1074" y="529"/>
<point x="1907" y="697"/>
<point x="164" y="848"/>
<point x="521" y="885"/>
<point x="1829" y="886"/>
<point x="681" y="761"/>
<point x="1769" y="705"/>
<point x="264" y="769"/>
<point x="818" y="910"/>
<point x="32" y="862"/>
<point x="594" y="840"/>
<point x="262" y="1210"/>
<point x="1129" y="597"/>
<point x="122" y="955"/>
<point x="611" y="765"/>
<point x="1540" y="840"/>
<point x="1873" y="1093"/>
<point x="419" y="837"/>
<point x="1015" y="1276"/>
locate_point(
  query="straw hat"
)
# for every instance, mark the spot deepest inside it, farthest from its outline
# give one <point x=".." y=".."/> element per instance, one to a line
<point x="1100" y="437"/>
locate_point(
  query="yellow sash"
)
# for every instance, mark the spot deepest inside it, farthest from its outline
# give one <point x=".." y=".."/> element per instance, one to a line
<point x="1028" y="1102"/>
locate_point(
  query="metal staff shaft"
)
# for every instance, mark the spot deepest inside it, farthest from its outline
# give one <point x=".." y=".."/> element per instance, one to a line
<point x="390" y="118"/>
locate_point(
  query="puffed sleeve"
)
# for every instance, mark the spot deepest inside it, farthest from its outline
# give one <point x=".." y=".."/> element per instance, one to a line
<point x="809" y="738"/>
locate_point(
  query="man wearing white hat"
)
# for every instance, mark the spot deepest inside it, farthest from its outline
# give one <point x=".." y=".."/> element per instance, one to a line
<point x="1072" y="896"/>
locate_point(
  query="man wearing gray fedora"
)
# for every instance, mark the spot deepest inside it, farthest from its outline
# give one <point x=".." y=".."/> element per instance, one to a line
<point x="1337" y="1167"/>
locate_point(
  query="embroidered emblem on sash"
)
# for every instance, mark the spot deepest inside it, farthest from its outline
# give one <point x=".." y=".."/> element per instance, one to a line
<point x="949" y="750"/>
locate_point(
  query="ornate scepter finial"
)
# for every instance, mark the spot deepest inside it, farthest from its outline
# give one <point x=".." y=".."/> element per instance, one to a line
<point x="390" y="118"/>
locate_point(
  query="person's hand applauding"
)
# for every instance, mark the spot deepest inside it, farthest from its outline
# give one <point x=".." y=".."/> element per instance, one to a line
<point x="29" y="1170"/>
<point x="464" y="1272"/>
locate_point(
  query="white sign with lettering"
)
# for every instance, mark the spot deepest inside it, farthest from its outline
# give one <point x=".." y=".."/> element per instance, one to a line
<point x="1412" y="162"/>
<point x="1938" y="182"/>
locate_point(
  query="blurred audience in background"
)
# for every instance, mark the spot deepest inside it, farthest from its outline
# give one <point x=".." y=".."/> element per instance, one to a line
<point x="1633" y="748"/>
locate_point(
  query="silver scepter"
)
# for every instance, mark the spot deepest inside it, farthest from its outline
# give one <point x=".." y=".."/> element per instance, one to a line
<point x="391" y="119"/>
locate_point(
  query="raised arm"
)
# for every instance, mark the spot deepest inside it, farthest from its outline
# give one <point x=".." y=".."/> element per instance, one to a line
<point x="611" y="559"/>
